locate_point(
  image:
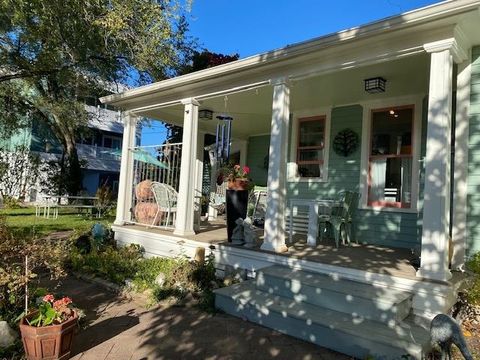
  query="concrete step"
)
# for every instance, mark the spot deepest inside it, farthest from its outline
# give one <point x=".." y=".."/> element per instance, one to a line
<point x="335" y="330"/>
<point x="350" y="297"/>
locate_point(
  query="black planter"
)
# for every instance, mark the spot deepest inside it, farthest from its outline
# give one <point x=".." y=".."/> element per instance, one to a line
<point x="237" y="202"/>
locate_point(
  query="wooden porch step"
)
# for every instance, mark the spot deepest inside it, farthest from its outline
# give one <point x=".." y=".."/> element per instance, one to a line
<point x="335" y="330"/>
<point x="351" y="297"/>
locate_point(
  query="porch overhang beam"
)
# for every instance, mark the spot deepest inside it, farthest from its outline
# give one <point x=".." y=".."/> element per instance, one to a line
<point x="199" y="98"/>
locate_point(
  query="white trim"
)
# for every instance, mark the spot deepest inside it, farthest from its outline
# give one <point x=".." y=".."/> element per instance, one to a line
<point x="368" y="106"/>
<point x="429" y="298"/>
<point x="455" y="47"/>
<point x="350" y="38"/>
<point x="184" y="224"/>
<point x="125" y="185"/>
<point x="436" y="206"/>
<point x="459" y="186"/>
<point x="274" y="238"/>
<point x="292" y="177"/>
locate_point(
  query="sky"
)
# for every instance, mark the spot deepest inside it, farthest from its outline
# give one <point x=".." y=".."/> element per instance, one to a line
<point x="249" y="27"/>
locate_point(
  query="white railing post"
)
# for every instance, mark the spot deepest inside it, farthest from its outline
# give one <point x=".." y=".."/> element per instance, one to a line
<point x="436" y="208"/>
<point x="186" y="191"/>
<point x="274" y="239"/>
<point x="125" y="182"/>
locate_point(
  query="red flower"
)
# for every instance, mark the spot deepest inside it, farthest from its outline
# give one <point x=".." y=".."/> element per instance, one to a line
<point x="49" y="298"/>
<point x="246" y="169"/>
<point x="67" y="300"/>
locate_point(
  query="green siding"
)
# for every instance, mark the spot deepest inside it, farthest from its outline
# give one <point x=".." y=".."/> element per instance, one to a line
<point x="473" y="190"/>
<point x="394" y="229"/>
<point x="258" y="147"/>
<point x="20" y="138"/>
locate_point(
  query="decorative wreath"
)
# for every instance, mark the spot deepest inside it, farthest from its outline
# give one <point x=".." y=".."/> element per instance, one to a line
<point x="346" y="142"/>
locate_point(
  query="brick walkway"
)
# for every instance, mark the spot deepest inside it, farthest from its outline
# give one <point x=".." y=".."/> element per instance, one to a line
<point x="120" y="328"/>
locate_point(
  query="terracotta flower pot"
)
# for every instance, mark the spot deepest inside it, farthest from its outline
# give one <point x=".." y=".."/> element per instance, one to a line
<point x="48" y="342"/>
<point x="238" y="184"/>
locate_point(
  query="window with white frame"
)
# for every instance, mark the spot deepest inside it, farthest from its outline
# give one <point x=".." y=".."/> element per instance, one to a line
<point x="311" y="147"/>
<point x="390" y="157"/>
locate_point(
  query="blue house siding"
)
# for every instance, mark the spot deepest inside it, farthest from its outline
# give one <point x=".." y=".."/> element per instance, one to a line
<point x="473" y="182"/>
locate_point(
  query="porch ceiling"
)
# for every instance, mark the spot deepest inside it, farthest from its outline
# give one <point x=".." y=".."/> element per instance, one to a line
<point x="252" y="109"/>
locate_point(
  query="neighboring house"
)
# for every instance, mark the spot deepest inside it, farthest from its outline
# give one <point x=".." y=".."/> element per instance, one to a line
<point x="415" y="163"/>
<point x="98" y="148"/>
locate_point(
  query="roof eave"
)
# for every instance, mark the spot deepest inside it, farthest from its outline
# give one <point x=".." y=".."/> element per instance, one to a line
<point x="390" y="24"/>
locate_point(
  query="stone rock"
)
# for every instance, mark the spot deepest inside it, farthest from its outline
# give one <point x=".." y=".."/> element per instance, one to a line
<point x="7" y="335"/>
<point x="160" y="279"/>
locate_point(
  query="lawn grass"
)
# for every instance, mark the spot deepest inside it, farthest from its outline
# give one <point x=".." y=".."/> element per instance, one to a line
<point x="23" y="221"/>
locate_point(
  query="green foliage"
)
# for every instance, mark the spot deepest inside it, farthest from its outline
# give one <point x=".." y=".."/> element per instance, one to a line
<point x="11" y="203"/>
<point x="51" y="311"/>
<point x="148" y="270"/>
<point x="113" y="264"/>
<point x="17" y="164"/>
<point x="44" y="255"/>
<point x="56" y="53"/>
<point x="105" y="199"/>
<point x="473" y="293"/>
<point x="182" y="276"/>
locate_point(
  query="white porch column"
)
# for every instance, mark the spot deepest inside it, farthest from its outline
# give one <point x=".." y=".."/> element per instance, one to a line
<point x="459" y="219"/>
<point x="125" y="182"/>
<point x="186" y="192"/>
<point x="198" y="180"/>
<point x="276" y="196"/>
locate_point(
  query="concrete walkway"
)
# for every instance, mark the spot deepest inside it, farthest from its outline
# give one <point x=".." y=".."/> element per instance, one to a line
<point x="121" y="328"/>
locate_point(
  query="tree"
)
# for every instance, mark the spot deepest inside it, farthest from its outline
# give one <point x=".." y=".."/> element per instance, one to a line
<point x="55" y="53"/>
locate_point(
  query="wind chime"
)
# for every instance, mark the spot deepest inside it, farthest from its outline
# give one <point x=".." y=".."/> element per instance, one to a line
<point x="224" y="137"/>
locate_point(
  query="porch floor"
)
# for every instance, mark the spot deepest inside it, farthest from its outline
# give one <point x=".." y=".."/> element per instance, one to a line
<point x="366" y="257"/>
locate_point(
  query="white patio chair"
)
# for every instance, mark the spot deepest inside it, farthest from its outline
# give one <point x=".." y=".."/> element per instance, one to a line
<point x="166" y="199"/>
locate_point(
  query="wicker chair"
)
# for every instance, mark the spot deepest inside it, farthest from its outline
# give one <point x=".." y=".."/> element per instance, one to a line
<point x="166" y="198"/>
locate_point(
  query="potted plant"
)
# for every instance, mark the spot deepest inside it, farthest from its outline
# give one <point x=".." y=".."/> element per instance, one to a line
<point x="47" y="332"/>
<point x="237" y="178"/>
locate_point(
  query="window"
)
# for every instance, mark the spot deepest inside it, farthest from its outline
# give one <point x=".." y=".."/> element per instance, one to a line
<point x="390" y="158"/>
<point x="112" y="142"/>
<point x="310" y="147"/>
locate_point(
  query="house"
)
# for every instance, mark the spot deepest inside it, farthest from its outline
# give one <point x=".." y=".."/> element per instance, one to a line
<point x="97" y="147"/>
<point x="406" y="91"/>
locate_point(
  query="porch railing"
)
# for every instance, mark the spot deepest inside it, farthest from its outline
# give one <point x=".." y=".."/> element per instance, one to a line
<point x="155" y="206"/>
<point x="98" y="152"/>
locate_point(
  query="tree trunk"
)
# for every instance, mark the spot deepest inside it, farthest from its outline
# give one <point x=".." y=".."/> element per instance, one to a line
<point x="73" y="174"/>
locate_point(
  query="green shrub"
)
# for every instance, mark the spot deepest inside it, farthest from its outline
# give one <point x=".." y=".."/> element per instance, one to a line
<point x="45" y="256"/>
<point x="116" y="265"/>
<point x="473" y="293"/>
<point x="11" y="203"/>
<point x="148" y="270"/>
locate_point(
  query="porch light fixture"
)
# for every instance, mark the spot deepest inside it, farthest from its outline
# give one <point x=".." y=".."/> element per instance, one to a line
<point x="375" y="85"/>
<point x="205" y="114"/>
